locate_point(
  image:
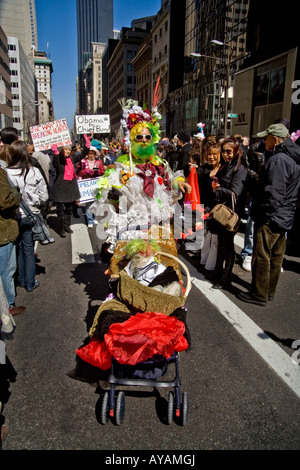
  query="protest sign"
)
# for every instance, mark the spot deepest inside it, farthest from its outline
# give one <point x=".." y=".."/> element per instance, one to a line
<point x="98" y="123"/>
<point x="49" y="133"/>
<point x="86" y="189"/>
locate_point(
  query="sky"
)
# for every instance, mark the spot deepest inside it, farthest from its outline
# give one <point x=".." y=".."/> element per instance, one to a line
<point x="57" y="36"/>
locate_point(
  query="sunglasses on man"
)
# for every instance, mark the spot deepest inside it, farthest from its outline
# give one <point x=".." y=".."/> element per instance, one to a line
<point x="140" y="137"/>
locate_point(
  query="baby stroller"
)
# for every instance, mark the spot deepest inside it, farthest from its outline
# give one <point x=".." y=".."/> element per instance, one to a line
<point x="152" y="371"/>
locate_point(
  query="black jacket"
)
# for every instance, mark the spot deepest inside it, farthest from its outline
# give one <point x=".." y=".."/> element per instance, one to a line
<point x="184" y="159"/>
<point x="65" y="191"/>
<point x="231" y="180"/>
<point x="205" y="187"/>
<point x="278" y="187"/>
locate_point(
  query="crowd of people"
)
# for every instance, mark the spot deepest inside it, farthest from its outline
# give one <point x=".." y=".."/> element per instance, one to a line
<point x="258" y="180"/>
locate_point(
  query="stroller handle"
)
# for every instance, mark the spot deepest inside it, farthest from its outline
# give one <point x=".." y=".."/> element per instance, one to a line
<point x="189" y="283"/>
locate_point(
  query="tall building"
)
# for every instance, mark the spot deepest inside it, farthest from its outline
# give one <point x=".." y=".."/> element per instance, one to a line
<point x="23" y="88"/>
<point x="43" y="69"/>
<point x="18" y="19"/>
<point x="6" y="114"/>
<point x="94" y="25"/>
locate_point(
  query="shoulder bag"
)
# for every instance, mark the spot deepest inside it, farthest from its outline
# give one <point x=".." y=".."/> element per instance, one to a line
<point x="226" y="216"/>
<point x="39" y="229"/>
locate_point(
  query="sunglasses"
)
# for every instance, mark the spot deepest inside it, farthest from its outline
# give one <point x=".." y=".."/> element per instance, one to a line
<point x="228" y="151"/>
<point x="140" y="137"/>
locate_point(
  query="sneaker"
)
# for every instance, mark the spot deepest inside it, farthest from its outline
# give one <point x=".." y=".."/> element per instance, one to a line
<point x="48" y="240"/>
<point x="36" y="284"/>
<point x="90" y="225"/>
<point x="95" y="222"/>
<point x="246" y="265"/>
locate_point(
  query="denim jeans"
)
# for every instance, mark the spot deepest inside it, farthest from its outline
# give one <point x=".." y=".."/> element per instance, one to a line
<point x="89" y="216"/>
<point x="8" y="266"/>
<point x="249" y="231"/>
<point x="26" y="257"/>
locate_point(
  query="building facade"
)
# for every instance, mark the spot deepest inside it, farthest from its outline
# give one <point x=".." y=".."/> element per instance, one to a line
<point x="6" y="113"/>
<point x="121" y="73"/>
<point x="43" y="70"/>
<point x="267" y="87"/>
<point x="206" y="94"/>
<point x="18" y="19"/>
<point x="94" y="25"/>
<point x="23" y="89"/>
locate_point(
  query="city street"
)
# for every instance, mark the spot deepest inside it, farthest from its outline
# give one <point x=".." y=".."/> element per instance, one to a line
<point x="242" y="383"/>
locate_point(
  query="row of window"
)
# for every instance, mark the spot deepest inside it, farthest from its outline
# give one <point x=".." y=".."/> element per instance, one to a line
<point x="160" y="33"/>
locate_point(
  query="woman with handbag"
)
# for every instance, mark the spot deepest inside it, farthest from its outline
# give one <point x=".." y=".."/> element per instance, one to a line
<point x="228" y="188"/>
<point x="206" y="175"/>
<point x="34" y="192"/>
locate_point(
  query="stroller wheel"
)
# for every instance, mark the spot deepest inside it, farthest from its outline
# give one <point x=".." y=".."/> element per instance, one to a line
<point x="120" y="408"/>
<point x="184" y="409"/>
<point x="170" y="408"/>
<point x="105" y="409"/>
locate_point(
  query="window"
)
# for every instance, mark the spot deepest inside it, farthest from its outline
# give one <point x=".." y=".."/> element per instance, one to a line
<point x="129" y="67"/>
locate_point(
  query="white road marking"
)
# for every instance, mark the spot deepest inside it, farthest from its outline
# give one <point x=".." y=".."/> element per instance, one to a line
<point x="278" y="359"/>
<point x="239" y="240"/>
<point x="82" y="250"/>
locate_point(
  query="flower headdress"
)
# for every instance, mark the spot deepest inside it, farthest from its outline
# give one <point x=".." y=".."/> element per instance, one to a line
<point x="134" y="114"/>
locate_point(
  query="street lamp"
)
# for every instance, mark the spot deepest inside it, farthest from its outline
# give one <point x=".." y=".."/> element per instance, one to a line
<point x="198" y="55"/>
<point x="228" y="60"/>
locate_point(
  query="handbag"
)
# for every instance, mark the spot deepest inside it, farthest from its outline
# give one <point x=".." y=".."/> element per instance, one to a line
<point x="39" y="229"/>
<point x="226" y="216"/>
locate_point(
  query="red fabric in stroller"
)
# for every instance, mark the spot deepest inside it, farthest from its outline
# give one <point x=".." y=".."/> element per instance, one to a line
<point x="137" y="339"/>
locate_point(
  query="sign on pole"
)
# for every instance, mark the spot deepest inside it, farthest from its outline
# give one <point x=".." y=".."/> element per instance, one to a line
<point x="98" y="123"/>
<point x="54" y="132"/>
<point x="86" y="189"/>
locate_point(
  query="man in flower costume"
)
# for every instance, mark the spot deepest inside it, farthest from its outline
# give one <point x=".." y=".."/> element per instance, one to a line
<point x="149" y="188"/>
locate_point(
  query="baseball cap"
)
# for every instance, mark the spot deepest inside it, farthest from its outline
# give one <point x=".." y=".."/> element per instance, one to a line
<point x="184" y="135"/>
<point x="278" y="130"/>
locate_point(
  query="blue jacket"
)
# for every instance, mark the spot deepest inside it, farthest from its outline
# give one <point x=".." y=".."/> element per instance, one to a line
<point x="278" y="187"/>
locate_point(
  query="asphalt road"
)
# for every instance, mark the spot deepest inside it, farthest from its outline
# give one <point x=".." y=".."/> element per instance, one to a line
<point x="237" y="400"/>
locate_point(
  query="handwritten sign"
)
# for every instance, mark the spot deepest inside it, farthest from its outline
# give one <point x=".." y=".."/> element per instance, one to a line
<point x="45" y="135"/>
<point x="98" y="123"/>
<point x="86" y="189"/>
